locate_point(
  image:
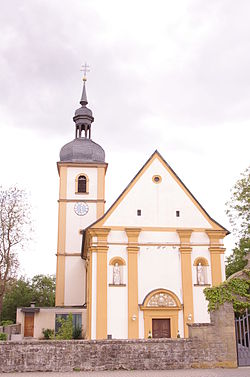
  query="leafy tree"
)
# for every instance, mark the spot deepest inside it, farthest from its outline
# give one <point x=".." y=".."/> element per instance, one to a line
<point x="14" y="223"/>
<point x="43" y="290"/>
<point x="18" y="293"/>
<point x="237" y="261"/>
<point x="21" y="292"/>
<point x="238" y="210"/>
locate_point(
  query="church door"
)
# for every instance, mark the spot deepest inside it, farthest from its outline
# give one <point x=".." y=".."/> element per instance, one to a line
<point x="29" y="324"/>
<point x="161" y="328"/>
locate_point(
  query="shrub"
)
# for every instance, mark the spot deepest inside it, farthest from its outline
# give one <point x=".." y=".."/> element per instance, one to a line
<point x="65" y="330"/>
<point x="77" y="332"/>
<point x="48" y="333"/>
<point x="7" y="322"/>
<point x="3" y="336"/>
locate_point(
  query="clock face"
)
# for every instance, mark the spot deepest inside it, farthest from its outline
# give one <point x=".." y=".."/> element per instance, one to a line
<point x="81" y="208"/>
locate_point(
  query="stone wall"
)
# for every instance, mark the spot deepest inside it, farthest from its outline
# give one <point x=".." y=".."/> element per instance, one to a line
<point x="208" y="346"/>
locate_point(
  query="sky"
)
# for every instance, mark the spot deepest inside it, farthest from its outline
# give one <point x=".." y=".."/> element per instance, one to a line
<point x="167" y="75"/>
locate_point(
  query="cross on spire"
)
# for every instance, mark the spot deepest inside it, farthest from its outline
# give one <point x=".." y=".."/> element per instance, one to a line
<point x="85" y="69"/>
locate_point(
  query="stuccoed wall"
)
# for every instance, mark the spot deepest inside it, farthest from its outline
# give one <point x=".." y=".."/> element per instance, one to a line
<point x="209" y="345"/>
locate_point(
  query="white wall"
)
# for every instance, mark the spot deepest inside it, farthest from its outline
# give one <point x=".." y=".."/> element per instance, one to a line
<point x="117" y="300"/>
<point x="158" y="203"/>
<point x="75" y="278"/>
<point x="201" y="314"/>
<point x="74" y="224"/>
<point x="72" y="173"/>
<point x="223" y="271"/>
<point x="159" y="267"/>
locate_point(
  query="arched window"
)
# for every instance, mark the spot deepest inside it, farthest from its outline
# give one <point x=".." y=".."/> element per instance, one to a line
<point x="82" y="184"/>
<point x="201" y="266"/>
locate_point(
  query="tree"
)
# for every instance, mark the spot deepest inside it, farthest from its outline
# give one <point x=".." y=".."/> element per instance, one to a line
<point x="238" y="210"/>
<point x="21" y="292"/>
<point x="18" y="293"/>
<point x="14" y="223"/>
<point x="43" y="290"/>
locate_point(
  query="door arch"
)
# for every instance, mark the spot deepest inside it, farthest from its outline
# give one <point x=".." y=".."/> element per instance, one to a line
<point x="161" y="304"/>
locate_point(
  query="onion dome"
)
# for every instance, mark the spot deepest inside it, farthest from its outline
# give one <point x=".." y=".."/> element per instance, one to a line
<point x="82" y="148"/>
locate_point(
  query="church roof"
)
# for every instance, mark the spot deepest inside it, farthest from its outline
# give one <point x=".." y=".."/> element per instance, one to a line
<point x="82" y="150"/>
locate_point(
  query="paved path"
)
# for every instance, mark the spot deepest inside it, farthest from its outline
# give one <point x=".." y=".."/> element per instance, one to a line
<point x="240" y="372"/>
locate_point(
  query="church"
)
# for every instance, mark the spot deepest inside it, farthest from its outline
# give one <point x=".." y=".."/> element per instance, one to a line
<point x="139" y="269"/>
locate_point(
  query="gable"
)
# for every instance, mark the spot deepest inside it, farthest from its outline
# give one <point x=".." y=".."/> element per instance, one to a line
<point x="158" y="202"/>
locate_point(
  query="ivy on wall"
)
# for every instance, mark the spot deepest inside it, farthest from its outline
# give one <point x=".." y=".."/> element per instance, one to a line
<point x="235" y="290"/>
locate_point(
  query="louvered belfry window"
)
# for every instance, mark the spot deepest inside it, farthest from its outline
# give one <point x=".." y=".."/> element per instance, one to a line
<point x="82" y="183"/>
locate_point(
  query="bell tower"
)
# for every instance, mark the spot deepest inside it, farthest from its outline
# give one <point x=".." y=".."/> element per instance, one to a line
<point x="82" y="170"/>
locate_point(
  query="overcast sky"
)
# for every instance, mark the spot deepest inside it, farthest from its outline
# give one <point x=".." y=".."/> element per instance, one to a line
<point x="166" y="75"/>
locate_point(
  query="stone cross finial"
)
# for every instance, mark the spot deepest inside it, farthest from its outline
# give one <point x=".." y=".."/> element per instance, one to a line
<point x="85" y="69"/>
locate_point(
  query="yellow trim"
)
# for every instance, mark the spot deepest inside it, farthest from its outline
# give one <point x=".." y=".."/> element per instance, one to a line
<point x="60" y="265"/>
<point x="157" y="291"/>
<point x="60" y="280"/>
<point x="61" y="164"/>
<point x="186" y="272"/>
<point x="215" y="255"/>
<point x="89" y="295"/>
<point x="216" y="250"/>
<point x="164" y="313"/>
<point x="87" y="184"/>
<point x="85" y="200"/>
<point x="133" y="234"/>
<point x="118" y="260"/>
<point x="100" y="206"/>
<point x="155" y="156"/>
<point x="201" y="260"/>
<point x="156" y="176"/>
<point x="149" y="313"/>
<point x="133" y="310"/>
<point x="101" y="283"/>
<point x="150" y="229"/>
<point x="166" y="244"/>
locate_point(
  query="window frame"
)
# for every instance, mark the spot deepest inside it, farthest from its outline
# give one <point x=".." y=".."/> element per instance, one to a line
<point x="77" y="184"/>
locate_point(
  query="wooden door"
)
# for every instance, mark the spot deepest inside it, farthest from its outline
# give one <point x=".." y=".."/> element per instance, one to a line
<point x="29" y="324"/>
<point x="161" y="328"/>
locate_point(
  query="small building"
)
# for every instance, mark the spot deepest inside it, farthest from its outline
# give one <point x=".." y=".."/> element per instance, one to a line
<point x="138" y="269"/>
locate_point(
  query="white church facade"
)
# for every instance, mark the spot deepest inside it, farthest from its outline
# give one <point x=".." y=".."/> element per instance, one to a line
<point x="139" y="269"/>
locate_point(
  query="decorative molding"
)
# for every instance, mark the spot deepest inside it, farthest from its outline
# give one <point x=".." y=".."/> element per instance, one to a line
<point x="201" y="260"/>
<point x="82" y="200"/>
<point x="118" y="260"/>
<point x="161" y="300"/>
<point x="133" y="234"/>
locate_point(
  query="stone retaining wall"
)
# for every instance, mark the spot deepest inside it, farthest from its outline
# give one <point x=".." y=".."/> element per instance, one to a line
<point x="208" y="346"/>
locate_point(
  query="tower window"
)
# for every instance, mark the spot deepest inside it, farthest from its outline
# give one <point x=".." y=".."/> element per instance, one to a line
<point x="82" y="184"/>
<point x="177" y="213"/>
<point x="139" y="212"/>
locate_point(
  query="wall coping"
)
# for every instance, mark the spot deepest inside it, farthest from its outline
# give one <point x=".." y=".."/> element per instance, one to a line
<point x="98" y="341"/>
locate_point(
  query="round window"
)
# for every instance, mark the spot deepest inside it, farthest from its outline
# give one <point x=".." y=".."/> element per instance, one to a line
<point x="156" y="179"/>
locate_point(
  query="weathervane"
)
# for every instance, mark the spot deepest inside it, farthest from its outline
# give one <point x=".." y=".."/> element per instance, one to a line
<point x="85" y="69"/>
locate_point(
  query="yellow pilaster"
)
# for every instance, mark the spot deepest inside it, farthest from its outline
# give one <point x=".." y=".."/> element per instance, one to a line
<point x="101" y="283"/>
<point x="216" y="249"/>
<point x="89" y="292"/>
<point x="133" y="308"/>
<point x="186" y="272"/>
<point x="60" y="266"/>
